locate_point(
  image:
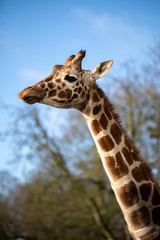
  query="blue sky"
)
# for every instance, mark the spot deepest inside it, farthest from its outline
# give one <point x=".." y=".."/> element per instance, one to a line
<point x="35" y="35"/>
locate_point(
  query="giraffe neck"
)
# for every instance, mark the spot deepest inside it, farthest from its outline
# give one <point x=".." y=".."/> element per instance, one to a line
<point x="134" y="187"/>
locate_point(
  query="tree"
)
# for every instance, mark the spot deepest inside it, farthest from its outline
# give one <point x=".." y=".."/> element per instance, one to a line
<point x="152" y="78"/>
<point x="7" y="218"/>
<point x="136" y="109"/>
<point x="81" y="179"/>
<point x="67" y="195"/>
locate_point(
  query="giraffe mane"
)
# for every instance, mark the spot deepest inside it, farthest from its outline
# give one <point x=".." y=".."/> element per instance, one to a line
<point x="127" y="137"/>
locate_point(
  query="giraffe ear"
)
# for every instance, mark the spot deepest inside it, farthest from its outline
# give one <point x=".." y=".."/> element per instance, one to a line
<point x="101" y="69"/>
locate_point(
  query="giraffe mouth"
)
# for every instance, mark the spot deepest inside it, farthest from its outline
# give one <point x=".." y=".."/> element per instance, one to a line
<point x="32" y="95"/>
<point x="31" y="99"/>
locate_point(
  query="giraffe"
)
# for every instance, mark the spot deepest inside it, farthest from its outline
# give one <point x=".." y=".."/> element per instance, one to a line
<point x="138" y="194"/>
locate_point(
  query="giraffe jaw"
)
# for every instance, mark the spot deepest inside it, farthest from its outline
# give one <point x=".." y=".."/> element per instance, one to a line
<point x="32" y="95"/>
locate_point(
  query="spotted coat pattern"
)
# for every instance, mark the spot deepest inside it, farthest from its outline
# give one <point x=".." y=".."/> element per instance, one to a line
<point x="134" y="186"/>
<point x="136" y="191"/>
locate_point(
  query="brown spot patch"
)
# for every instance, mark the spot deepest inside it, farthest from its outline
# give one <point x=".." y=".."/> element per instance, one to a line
<point x="106" y="143"/>
<point x="50" y="85"/>
<point x="116" y="166"/>
<point x="103" y="121"/>
<point x="79" y="90"/>
<point x="134" y="156"/>
<point x="100" y="93"/>
<point x="75" y="96"/>
<point x="52" y="93"/>
<point x="145" y="191"/>
<point x="58" y="80"/>
<point x="139" y="218"/>
<point x="139" y="174"/>
<point x="107" y="111"/>
<point x="156" y="196"/>
<point x="62" y="94"/>
<point x="127" y="155"/>
<point x="116" y="133"/>
<point x="96" y="128"/>
<point x="49" y="78"/>
<point x="82" y="94"/>
<point x="156" y="215"/>
<point x="127" y="144"/>
<point x="97" y="109"/>
<point x="128" y="194"/>
<point x="43" y="85"/>
<point x="95" y="97"/>
<point x="76" y="89"/>
<point x="68" y="93"/>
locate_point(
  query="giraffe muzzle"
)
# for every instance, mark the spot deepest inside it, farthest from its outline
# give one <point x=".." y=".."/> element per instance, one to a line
<point x="32" y="94"/>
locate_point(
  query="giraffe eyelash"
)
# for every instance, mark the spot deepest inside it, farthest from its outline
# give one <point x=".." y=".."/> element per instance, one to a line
<point x="70" y="78"/>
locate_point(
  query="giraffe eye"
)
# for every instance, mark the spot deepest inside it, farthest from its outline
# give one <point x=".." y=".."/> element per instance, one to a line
<point x="70" y="78"/>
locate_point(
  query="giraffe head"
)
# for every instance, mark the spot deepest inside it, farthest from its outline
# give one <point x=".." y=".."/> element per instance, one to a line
<point x="67" y="86"/>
